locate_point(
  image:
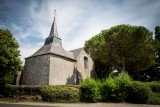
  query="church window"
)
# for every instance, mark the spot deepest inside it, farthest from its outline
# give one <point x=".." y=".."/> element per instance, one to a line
<point x="85" y="62"/>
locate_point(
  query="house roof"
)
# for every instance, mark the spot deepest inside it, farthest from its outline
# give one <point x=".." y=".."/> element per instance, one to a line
<point x="52" y="49"/>
<point x="53" y="45"/>
<point x="76" y="52"/>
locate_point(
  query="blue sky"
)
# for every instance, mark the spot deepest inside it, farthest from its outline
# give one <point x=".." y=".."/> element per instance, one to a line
<point x="77" y="20"/>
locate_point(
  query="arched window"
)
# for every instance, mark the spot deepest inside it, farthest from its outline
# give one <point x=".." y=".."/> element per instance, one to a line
<point x="85" y="62"/>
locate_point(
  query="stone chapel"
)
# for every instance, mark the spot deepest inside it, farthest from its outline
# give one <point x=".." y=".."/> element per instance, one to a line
<point x="52" y="65"/>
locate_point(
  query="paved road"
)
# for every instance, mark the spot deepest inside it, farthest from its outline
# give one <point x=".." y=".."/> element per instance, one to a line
<point x="74" y="105"/>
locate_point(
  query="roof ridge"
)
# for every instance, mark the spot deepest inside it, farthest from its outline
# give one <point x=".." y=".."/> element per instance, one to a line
<point x="76" y="52"/>
<point x="76" y="49"/>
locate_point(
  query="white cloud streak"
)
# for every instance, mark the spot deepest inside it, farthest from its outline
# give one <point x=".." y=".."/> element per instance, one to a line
<point x="77" y="21"/>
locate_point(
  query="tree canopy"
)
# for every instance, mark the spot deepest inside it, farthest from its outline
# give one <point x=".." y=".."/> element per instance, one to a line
<point x="10" y="62"/>
<point x="157" y="38"/>
<point x="124" y="47"/>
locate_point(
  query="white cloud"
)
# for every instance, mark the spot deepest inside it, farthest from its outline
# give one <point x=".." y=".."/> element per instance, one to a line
<point x="77" y="21"/>
<point x="28" y="50"/>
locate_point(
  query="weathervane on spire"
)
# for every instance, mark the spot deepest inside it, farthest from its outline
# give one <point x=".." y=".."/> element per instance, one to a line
<point x="55" y="14"/>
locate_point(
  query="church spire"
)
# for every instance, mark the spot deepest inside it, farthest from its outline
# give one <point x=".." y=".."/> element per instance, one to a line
<point x="54" y="31"/>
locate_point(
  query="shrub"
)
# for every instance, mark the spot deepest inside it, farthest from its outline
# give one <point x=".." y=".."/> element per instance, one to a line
<point x="28" y="98"/>
<point x="154" y="98"/>
<point x="10" y="90"/>
<point x="138" y="92"/>
<point x="60" y="94"/>
<point x="155" y="86"/>
<point x="115" y="88"/>
<point x="90" y="90"/>
<point x="13" y="90"/>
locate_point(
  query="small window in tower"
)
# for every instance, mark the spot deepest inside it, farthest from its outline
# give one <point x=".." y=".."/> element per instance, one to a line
<point x="85" y="62"/>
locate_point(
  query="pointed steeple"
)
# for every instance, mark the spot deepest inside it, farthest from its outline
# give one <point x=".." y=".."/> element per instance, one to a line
<point x="54" y="31"/>
<point x="53" y="44"/>
<point x="53" y="36"/>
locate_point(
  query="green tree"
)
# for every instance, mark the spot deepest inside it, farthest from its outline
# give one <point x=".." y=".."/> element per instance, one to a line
<point x="157" y="38"/>
<point x="152" y="73"/>
<point x="94" y="47"/>
<point x="10" y="62"/>
<point x="124" y="47"/>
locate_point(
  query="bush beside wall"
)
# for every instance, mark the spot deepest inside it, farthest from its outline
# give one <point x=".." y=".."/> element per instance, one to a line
<point x="138" y="92"/>
<point x="60" y="94"/>
<point x="111" y="89"/>
<point x="115" y="88"/>
<point x="13" y="90"/>
<point x="154" y="98"/>
<point x="155" y="95"/>
<point x="120" y="88"/>
<point x="155" y="86"/>
<point x="91" y="90"/>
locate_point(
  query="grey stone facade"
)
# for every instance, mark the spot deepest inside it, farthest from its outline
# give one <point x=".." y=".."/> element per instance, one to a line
<point x="36" y="71"/>
<point x="61" y="71"/>
<point x="85" y="72"/>
<point x="52" y="65"/>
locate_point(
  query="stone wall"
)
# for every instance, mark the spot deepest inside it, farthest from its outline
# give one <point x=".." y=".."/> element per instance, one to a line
<point x="50" y="69"/>
<point x="36" y="71"/>
<point x="61" y="71"/>
<point x="83" y="72"/>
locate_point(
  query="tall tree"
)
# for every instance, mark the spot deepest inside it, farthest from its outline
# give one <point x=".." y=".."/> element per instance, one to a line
<point x="124" y="47"/>
<point x="152" y="73"/>
<point x="157" y="38"/>
<point x="94" y="47"/>
<point x="10" y="62"/>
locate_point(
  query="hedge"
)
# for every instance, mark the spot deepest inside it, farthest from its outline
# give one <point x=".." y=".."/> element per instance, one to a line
<point x="155" y="95"/>
<point x="118" y="88"/>
<point x="155" y="86"/>
<point x="154" y="99"/>
<point x="111" y="89"/>
<point x="138" y="92"/>
<point x="115" y="88"/>
<point x="91" y="90"/>
<point x="13" y="90"/>
<point x="57" y="93"/>
<point x="61" y="94"/>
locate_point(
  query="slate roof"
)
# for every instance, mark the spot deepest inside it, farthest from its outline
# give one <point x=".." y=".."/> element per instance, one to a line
<point x="53" y="45"/>
<point x="76" y="52"/>
<point x="52" y="49"/>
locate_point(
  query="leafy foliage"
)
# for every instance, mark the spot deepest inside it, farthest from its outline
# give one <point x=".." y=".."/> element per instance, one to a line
<point x="155" y="95"/>
<point x="115" y="88"/>
<point x="14" y="90"/>
<point x="157" y="38"/>
<point x="150" y="74"/>
<point x="155" y="86"/>
<point x="60" y="94"/>
<point x="112" y="89"/>
<point x="10" y="62"/>
<point x="154" y="98"/>
<point x="124" y="47"/>
<point x="139" y="92"/>
<point x="120" y="88"/>
<point x="90" y="90"/>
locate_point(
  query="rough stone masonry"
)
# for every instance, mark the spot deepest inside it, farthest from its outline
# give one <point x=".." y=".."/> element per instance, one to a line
<point x="52" y="65"/>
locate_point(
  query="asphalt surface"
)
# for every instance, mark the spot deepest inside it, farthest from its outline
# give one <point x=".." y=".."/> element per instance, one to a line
<point x="4" y="104"/>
